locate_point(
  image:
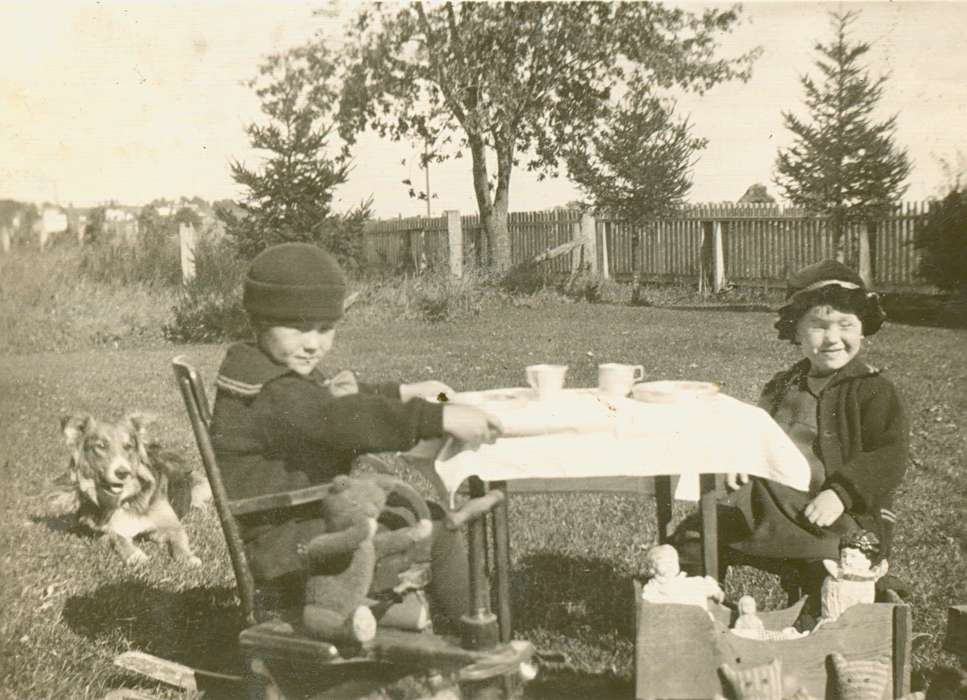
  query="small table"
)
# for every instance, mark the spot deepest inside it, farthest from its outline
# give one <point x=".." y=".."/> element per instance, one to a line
<point x="581" y="434"/>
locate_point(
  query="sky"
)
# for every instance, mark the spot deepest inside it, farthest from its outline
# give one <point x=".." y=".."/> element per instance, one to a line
<point x="128" y="102"/>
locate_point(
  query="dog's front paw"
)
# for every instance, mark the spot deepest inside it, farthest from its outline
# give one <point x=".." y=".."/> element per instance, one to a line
<point x="193" y="561"/>
<point x="136" y="557"/>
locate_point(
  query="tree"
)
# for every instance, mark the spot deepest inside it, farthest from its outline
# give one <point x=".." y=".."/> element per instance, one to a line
<point x="290" y="198"/>
<point x="639" y="164"/>
<point x="843" y="164"/>
<point x="757" y="194"/>
<point x="511" y="80"/>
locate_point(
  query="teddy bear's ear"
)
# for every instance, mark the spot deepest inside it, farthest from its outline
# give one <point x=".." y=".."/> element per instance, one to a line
<point x="340" y="483"/>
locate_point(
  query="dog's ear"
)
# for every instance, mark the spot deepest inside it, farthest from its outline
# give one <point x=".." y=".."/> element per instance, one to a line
<point x="139" y="424"/>
<point x="74" y="427"/>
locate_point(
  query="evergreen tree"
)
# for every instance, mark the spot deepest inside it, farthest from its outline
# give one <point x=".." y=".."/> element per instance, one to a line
<point x="638" y="165"/>
<point x="290" y="198"/>
<point x="843" y="164"/>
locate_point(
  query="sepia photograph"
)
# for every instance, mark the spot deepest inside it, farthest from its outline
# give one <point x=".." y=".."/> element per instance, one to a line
<point x="483" y="350"/>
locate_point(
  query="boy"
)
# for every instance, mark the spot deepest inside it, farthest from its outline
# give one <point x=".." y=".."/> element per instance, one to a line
<point x="846" y="418"/>
<point x="279" y="424"/>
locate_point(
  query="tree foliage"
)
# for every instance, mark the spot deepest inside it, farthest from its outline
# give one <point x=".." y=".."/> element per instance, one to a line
<point x="942" y="241"/>
<point x="639" y="164"/>
<point x="510" y="81"/>
<point x="291" y="197"/>
<point x="843" y="164"/>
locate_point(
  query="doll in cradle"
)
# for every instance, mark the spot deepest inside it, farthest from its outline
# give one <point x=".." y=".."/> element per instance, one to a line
<point x="669" y="584"/>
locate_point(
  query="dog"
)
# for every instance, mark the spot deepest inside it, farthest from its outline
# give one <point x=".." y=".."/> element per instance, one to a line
<point x="126" y="486"/>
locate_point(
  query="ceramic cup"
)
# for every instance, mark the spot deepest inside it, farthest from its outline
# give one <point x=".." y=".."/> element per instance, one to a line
<point x="616" y="379"/>
<point x="546" y="380"/>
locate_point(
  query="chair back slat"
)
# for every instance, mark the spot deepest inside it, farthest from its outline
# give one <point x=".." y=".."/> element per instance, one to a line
<point x="199" y="413"/>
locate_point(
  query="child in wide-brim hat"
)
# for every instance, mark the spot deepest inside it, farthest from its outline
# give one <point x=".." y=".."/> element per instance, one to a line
<point x="846" y="418"/>
<point x="280" y="423"/>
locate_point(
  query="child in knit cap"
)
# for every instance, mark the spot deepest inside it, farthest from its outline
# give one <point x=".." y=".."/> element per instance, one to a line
<point x="280" y="424"/>
<point x="847" y="420"/>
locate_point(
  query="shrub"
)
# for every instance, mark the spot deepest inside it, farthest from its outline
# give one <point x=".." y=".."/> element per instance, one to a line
<point x="942" y="241"/>
<point x="209" y="308"/>
<point x="434" y="296"/>
<point x="154" y="260"/>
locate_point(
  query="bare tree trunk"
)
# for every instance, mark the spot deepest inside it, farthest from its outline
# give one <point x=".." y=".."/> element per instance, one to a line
<point x="493" y="210"/>
<point x="502" y="252"/>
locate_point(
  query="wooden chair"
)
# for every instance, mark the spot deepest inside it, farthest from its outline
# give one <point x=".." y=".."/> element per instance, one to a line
<point x="275" y="650"/>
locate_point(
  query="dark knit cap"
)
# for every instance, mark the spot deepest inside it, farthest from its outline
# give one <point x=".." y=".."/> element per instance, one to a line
<point x="296" y="282"/>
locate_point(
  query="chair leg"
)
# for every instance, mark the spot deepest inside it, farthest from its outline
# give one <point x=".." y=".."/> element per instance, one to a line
<point x="262" y="686"/>
<point x="501" y="533"/>
<point x="480" y="627"/>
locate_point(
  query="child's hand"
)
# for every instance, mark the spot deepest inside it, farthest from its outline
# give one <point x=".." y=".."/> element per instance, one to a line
<point x="733" y="480"/>
<point x="823" y="510"/>
<point x="430" y="389"/>
<point x="471" y="425"/>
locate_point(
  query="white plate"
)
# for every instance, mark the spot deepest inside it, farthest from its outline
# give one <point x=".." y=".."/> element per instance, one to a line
<point x="516" y="395"/>
<point x="672" y="391"/>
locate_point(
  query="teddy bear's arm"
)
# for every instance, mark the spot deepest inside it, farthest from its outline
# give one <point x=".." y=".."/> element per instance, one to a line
<point x="326" y="545"/>
<point x="393" y="542"/>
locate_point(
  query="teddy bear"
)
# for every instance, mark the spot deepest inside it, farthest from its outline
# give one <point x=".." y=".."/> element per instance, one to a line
<point x="341" y="561"/>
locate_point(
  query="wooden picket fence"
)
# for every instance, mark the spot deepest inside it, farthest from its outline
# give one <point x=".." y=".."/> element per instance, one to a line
<point x="420" y="242"/>
<point x="761" y="244"/>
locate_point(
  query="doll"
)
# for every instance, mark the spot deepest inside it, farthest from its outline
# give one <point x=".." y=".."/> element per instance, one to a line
<point x="669" y="584"/>
<point x="853" y="578"/>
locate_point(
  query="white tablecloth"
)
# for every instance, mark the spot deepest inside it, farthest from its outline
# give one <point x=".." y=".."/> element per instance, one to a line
<point x="580" y="434"/>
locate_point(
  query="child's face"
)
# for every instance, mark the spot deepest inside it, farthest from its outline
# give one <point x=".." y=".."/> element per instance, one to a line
<point x="298" y="348"/>
<point x="829" y="339"/>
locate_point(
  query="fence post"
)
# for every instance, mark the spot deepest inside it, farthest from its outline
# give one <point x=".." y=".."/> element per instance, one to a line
<point x="186" y="236"/>
<point x="5" y="240"/>
<point x="605" y="264"/>
<point x="865" y="265"/>
<point x="455" y="242"/>
<point x="718" y="259"/>
<point x="589" y="239"/>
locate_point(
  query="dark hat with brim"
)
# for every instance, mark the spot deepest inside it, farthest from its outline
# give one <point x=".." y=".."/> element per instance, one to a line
<point x="296" y="283"/>
<point x="823" y="274"/>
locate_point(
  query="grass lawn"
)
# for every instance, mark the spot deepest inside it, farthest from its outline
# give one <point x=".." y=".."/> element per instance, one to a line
<point x="68" y="606"/>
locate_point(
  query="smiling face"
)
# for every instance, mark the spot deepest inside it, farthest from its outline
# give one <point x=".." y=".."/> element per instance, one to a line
<point x="828" y="338"/>
<point x="299" y="348"/>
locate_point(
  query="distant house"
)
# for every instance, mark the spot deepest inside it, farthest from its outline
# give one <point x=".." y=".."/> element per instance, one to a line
<point x="53" y="220"/>
<point x="117" y="215"/>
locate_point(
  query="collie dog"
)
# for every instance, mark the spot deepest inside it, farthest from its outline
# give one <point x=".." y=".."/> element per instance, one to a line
<point x="125" y="486"/>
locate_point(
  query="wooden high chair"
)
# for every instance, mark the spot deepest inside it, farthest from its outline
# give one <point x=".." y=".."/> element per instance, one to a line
<point x="278" y="653"/>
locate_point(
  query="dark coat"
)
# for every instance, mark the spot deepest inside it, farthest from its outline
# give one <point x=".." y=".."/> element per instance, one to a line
<point x="863" y="442"/>
<point x="274" y="430"/>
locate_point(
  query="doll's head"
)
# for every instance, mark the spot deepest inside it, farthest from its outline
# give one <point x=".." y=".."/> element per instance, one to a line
<point x="747" y="605"/>
<point x="859" y="551"/>
<point x="662" y="561"/>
